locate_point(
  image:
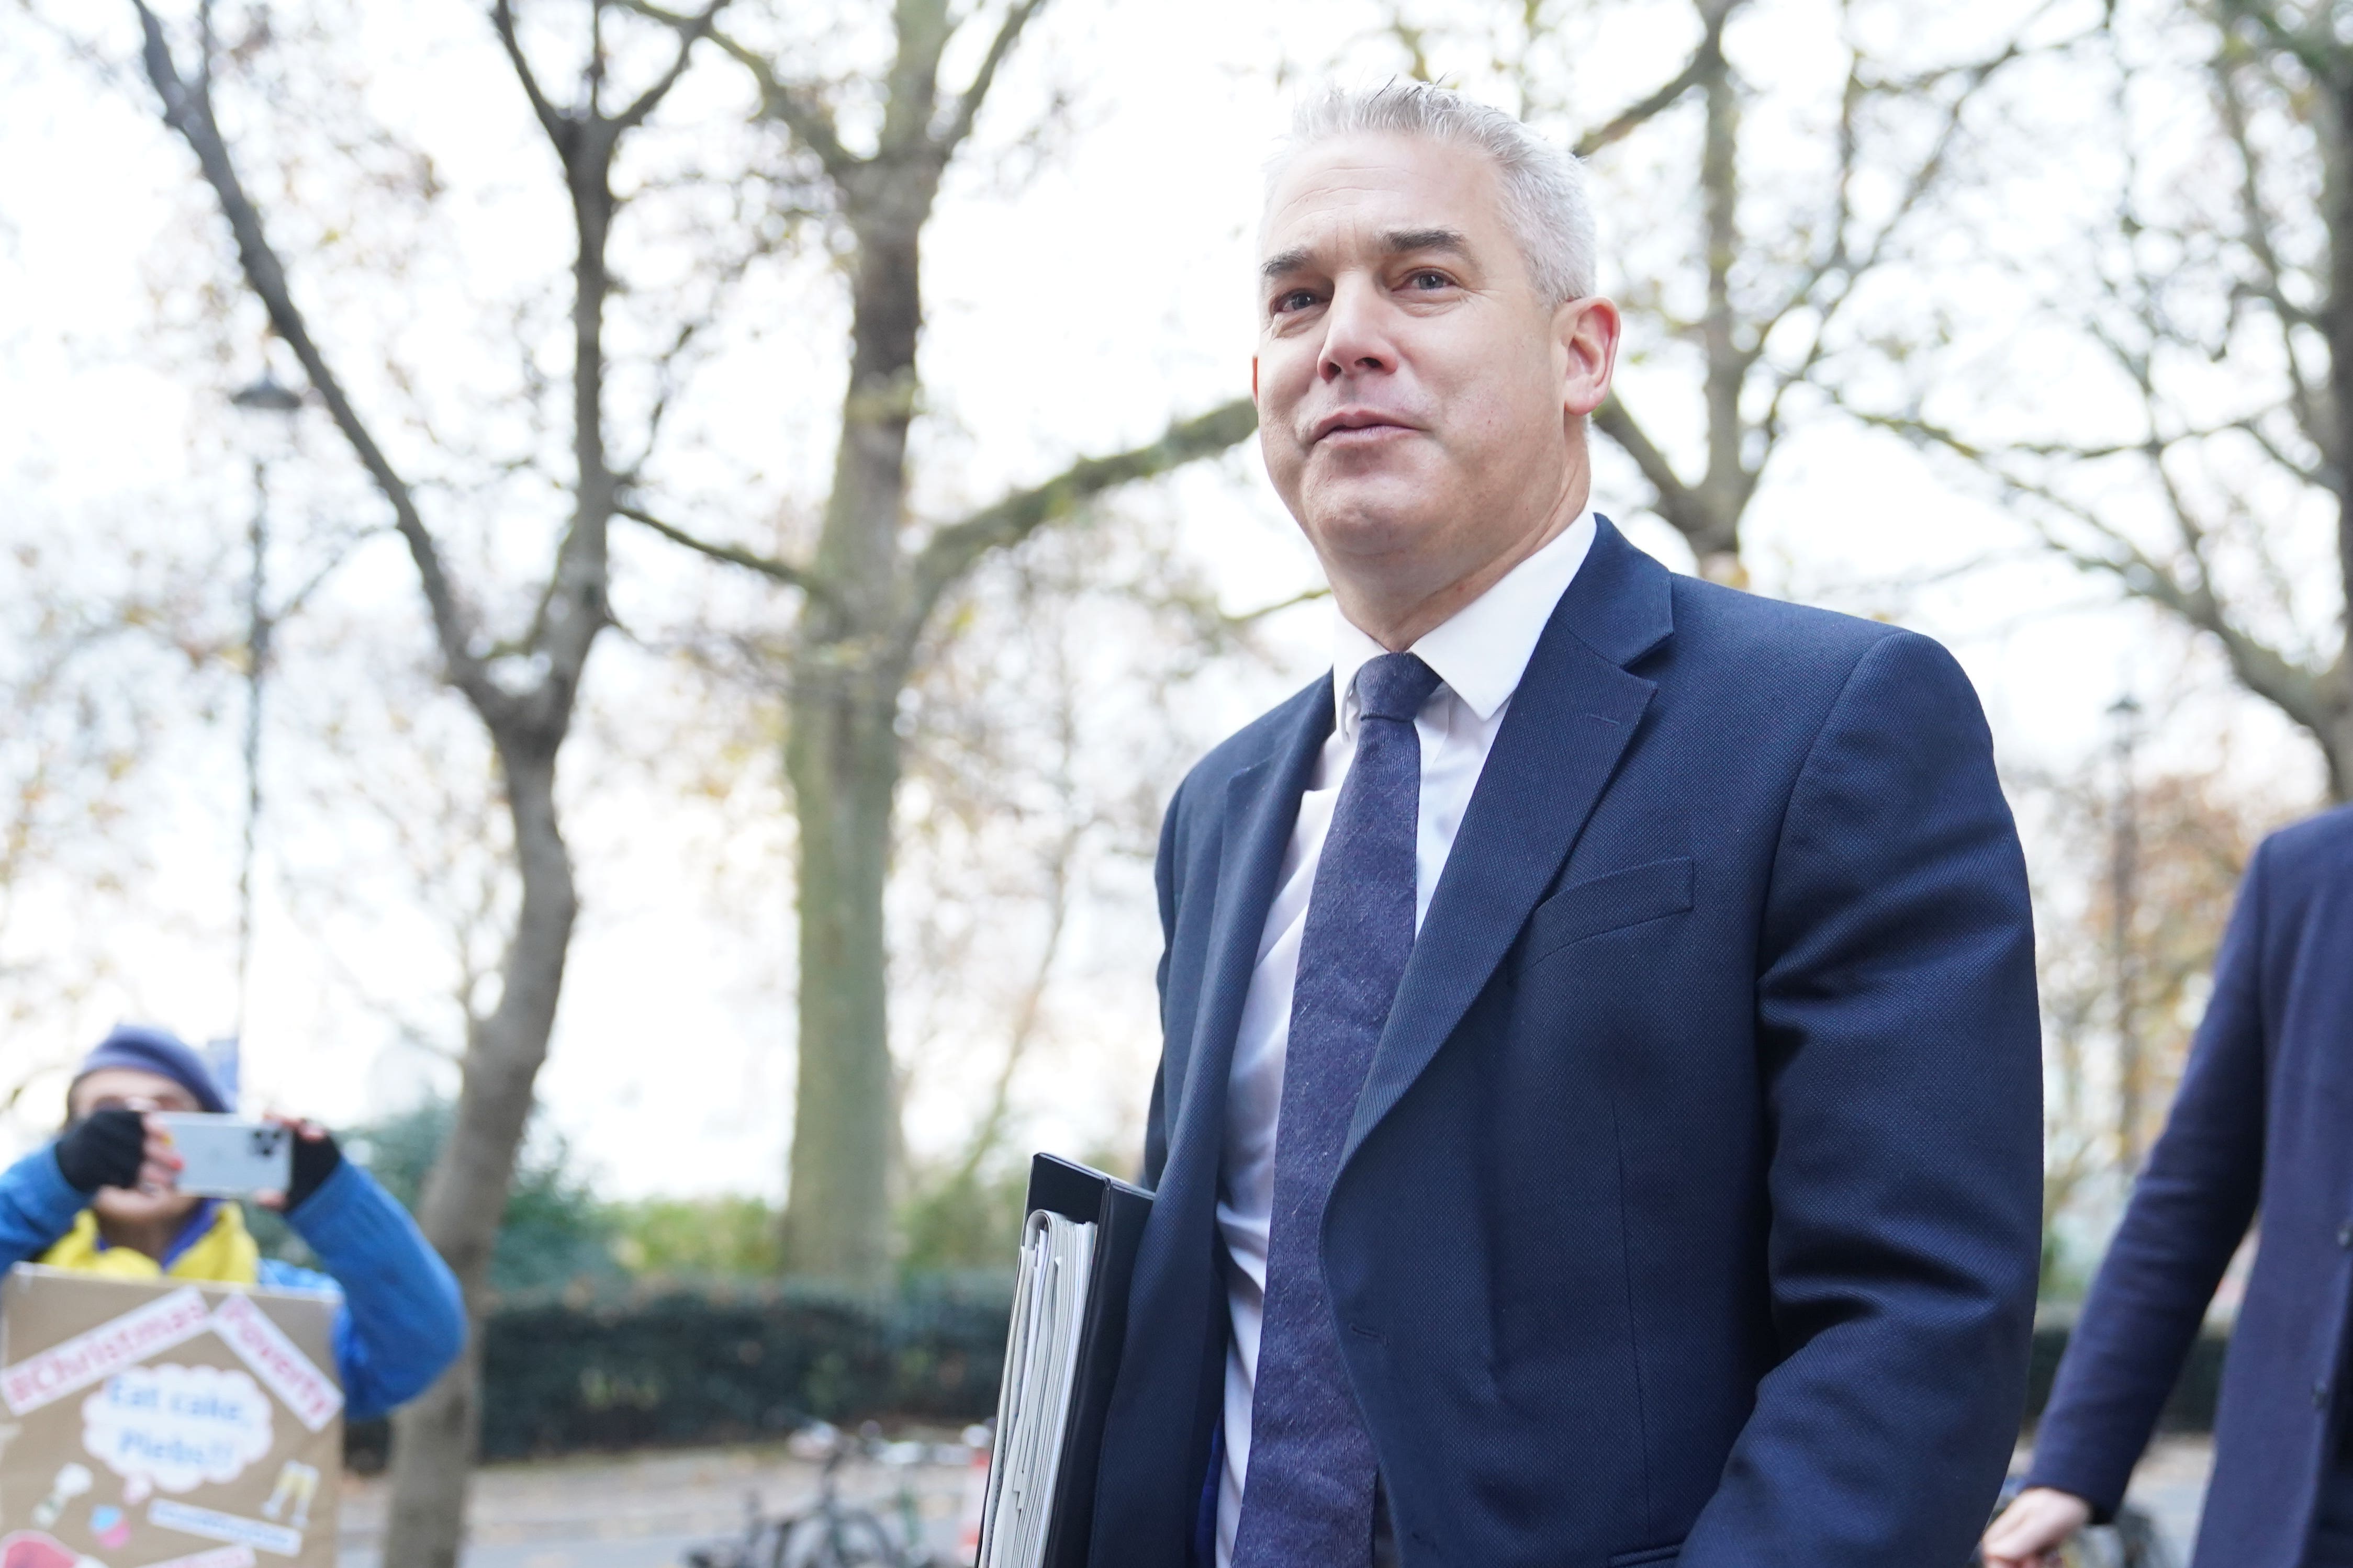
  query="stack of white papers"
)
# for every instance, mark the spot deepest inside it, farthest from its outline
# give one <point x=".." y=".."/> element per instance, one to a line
<point x="1033" y="1408"/>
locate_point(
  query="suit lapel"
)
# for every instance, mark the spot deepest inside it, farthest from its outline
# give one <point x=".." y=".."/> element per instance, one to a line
<point x="1570" y="719"/>
<point x="1157" y="1434"/>
<point x="1260" y="809"/>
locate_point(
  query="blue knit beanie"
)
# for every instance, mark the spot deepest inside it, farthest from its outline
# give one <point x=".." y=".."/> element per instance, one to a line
<point x="159" y="1051"/>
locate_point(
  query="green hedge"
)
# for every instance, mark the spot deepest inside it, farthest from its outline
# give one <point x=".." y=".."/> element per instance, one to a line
<point x="674" y="1366"/>
<point x="715" y="1364"/>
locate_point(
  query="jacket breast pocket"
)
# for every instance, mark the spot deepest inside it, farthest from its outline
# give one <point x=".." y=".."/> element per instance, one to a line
<point x="1607" y="903"/>
<point x="1645" y="1559"/>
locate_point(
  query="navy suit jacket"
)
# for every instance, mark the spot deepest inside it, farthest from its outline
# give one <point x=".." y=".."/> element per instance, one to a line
<point x="2264" y="1113"/>
<point x="1692" y="1201"/>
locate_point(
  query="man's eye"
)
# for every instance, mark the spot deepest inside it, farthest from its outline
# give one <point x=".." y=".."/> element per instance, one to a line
<point x="1428" y="278"/>
<point x="1294" y="299"/>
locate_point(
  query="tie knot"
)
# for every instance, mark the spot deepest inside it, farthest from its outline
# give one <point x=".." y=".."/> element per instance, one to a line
<point x="1394" y="686"/>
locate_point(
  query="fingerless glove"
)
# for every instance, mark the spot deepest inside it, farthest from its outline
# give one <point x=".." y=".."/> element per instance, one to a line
<point x="314" y="1160"/>
<point x="104" y="1149"/>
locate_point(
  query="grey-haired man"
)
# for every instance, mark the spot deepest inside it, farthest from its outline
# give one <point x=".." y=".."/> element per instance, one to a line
<point x="1598" y="1118"/>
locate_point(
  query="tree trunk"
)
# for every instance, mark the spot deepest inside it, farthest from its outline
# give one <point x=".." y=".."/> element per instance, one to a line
<point x="2336" y="202"/>
<point x="1722" y="492"/>
<point x="2337" y="746"/>
<point x="435" y="1439"/>
<point x="465" y="1195"/>
<point x="464" y="1202"/>
<point x="842" y="759"/>
<point x="865" y="599"/>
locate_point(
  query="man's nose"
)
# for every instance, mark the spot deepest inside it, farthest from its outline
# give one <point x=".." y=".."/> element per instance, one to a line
<point x="1356" y="332"/>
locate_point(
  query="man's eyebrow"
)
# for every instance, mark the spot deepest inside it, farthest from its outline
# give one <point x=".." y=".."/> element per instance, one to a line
<point x="1398" y="241"/>
<point x="1283" y="262"/>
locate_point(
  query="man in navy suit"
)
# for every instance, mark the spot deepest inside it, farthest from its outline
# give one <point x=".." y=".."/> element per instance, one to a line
<point x="2264" y="1113"/>
<point x="1599" y="1116"/>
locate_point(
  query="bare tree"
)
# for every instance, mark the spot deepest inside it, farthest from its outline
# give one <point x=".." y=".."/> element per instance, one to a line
<point x="2212" y="290"/>
<point x="869" y="593"/>
<point x="1042" y="736"/>
<point x="523" y="688"/>
<point x="1751" y="300"/>
<point x="87" y="675"/>
<point x="2195" y="831"/>
<point x="416" y="809"/>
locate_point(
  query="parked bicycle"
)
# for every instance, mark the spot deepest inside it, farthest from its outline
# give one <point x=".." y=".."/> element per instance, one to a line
<point x="832" y="1532"/>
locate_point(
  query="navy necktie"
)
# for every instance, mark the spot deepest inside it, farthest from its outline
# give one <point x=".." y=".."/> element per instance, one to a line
<point x="1307" y="1498"/>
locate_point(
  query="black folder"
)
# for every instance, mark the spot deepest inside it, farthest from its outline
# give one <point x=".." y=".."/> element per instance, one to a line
<point x="1117" y="1211"/>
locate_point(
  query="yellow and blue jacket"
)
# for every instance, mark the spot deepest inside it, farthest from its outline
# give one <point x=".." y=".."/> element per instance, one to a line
<point x="401" y="1321"/>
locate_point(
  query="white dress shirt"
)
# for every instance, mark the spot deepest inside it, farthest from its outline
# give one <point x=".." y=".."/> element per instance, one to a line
<point x="1479" y="656"/>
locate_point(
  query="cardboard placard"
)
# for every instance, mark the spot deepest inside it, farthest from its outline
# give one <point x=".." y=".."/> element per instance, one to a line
<point x="165" y="1424"/>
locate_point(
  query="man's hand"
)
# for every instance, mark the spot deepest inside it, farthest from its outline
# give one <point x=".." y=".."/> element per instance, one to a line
<point x="116" y="1148"/>
<point x="2031" y="1530"/>
<point x="316" y="1156"/>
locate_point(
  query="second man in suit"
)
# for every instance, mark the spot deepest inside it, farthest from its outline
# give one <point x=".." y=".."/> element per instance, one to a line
<point x="2263" y="1118"/>
<point x="1598" y="1121"/>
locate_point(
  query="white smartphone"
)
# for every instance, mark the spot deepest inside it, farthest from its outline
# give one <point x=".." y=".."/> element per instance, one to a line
<point x="227" y="1157"/>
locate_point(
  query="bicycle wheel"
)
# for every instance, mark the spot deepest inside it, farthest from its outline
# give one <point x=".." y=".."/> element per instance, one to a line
<point x="840" y="1537"/>
<point x="2142" y="1545"/>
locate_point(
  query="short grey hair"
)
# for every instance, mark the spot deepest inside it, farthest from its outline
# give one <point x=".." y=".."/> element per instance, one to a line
<point x="1545" y="197"/>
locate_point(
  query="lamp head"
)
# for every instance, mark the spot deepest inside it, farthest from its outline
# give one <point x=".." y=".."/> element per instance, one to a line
<point x="267" y="395"/>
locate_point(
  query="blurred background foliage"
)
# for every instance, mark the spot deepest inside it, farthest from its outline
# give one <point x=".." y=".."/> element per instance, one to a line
<point x="559" y="1233"/>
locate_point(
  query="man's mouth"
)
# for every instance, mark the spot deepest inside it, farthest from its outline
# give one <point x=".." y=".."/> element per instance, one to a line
<point x="1359" y="426"/>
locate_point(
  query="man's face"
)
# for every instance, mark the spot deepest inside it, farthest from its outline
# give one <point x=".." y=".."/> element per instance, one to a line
<point x="1419" y="401"/>
<point x="127" y="1088"/>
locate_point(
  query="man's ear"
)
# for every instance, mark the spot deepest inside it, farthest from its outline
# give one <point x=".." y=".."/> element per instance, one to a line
<point x="1253" y="378"/>
<point x="1587" y="330"/>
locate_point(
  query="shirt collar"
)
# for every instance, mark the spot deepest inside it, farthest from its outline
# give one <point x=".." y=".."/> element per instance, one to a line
<point x="1483" y="649"/>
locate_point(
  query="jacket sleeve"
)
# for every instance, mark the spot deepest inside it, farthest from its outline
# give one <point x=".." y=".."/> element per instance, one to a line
<point x="36" y="1206"/>
<point x="402" y="1321"/>
<point x="1900" y="1063"/>
<point x="2189" y="1211"/>
<point x="1166" y="876"/>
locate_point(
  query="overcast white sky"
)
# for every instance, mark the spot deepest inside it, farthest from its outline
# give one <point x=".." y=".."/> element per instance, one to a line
<point x="1072" y="308"/>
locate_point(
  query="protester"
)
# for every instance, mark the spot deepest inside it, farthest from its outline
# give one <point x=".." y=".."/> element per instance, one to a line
<point x="101" y="1200"/>
<point x="1598" y="1119"/>
<point x="2264" y="1113"/>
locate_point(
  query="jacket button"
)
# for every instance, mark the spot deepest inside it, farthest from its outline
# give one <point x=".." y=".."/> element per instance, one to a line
<point x="2320" y="1395"/>
<point x="2345" y="1233"/>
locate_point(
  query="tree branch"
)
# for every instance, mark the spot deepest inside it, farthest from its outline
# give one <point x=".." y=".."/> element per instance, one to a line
<point x="1632" y="118"/>
<point x="1617" y="423"/>
<point x="2296" y="690"/>
<point x="2250" y="192"/>
<point x="552" y="119"/>
<point x="693" y="32"/>
<point x="2303" y="405"/>
<point x="190" y="113"/>
<point x="2321" y="476"/>
<point x="953" y="550"/>
<point x="2317" y="53"/>
<point x="1031" y="1009"/>
<point x="795" y="111"/>
<point x="968" y="105"/>
<point x="2261" y="667"/>
<point x="768" y="566"/>
<point x="1916" y="188"/>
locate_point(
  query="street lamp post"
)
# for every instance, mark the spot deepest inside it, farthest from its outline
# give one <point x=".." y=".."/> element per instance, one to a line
<point x="2124" y="895"/>
<point x="271" y="397"/>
